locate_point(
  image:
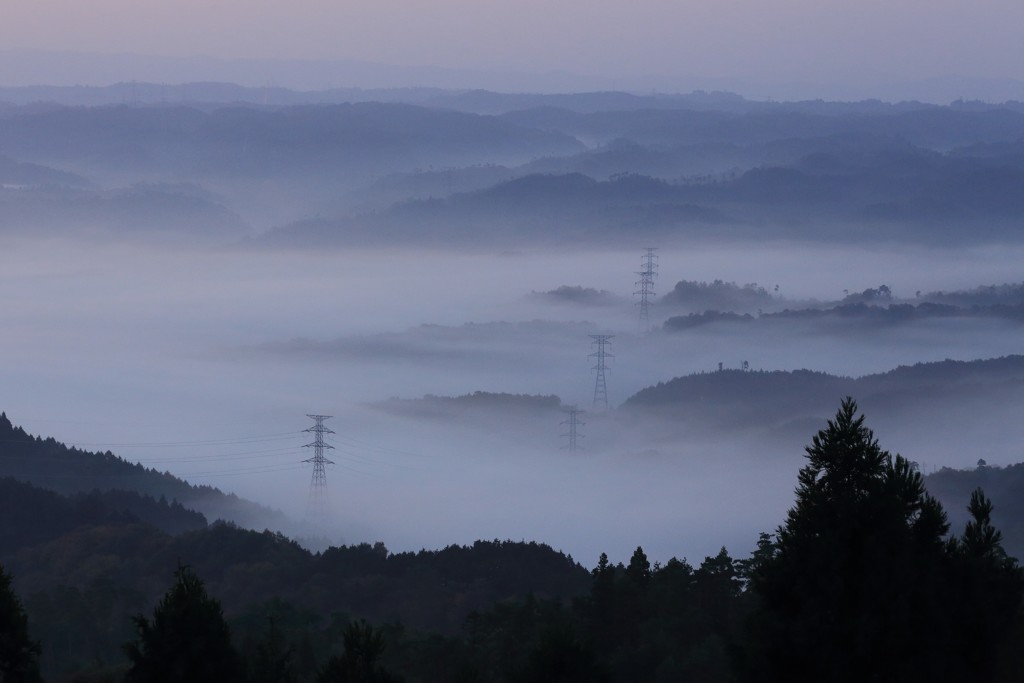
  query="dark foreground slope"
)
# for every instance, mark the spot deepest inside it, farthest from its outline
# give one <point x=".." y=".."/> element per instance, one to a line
<point x="863" y="556"/>
<point x="52" y="465"/>
<point x="86" y="565"/>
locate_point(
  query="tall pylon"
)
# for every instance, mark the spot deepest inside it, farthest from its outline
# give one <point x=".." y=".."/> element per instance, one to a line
<point x="601" y="341"/>
<point x="648" y="272"/>
<point x="574" y="423"/>
<point x="316" y="506"/>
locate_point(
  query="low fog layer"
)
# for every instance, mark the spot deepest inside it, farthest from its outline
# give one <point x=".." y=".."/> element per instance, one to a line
<point x="206" y="363"/>
<point x="188" y="273"/>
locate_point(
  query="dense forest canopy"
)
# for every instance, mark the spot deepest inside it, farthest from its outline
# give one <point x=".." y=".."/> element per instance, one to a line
<point x="865" y="566"/>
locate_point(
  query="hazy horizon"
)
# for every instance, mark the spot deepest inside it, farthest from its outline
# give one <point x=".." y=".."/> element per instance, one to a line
<point x="796" y="49"/>
<point x="38" y="67"/>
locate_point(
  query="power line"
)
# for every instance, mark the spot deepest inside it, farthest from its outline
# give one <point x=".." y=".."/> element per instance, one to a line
<point x="601" y="341"/>
<point x="648" y="272"/>
<point x="237" y="455"/>
<point x="280" y="436"/>
<point x="380" y="449"/>
<point x="574" y="422"/>
<point x="316" y="506"/>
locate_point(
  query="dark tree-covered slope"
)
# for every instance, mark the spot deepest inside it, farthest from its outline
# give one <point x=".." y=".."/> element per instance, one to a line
<point x="52" y="465"/>
<point x="33" y="515"/>
<point x="85" y="566"/>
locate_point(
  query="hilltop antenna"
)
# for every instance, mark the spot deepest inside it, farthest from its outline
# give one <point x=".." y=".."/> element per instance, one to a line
<point x="601" y="341"/>
<point x="316" y="506"/>
<point x="574" y="423"/>
<point x="648" y="272"/>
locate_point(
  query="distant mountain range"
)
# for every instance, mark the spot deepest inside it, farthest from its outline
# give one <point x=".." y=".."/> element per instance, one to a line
<point x="474" y="100"/>
<point x="610" y="168"/>
<point x="933" y="206"/>
<point x="365" y="137"/>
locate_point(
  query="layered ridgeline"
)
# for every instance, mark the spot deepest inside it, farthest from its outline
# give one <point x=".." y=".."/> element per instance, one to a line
<point x="606" y="167"/>
<point x="919" y="176"/>
<point x="205" y="175"/>
<point x="771" y="398"/>
<point x="258" y="143"/>
<point x="829" y="203"/>
<point x="50" y="464"/>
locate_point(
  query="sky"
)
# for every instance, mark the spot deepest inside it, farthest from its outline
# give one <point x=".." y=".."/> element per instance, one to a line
<point x="771" y="46"/>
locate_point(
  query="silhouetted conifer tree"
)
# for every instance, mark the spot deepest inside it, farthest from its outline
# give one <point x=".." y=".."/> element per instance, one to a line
<point x="862" y="584"/>
<point x="360" y="660"/>
<point x="272" y="662"/>
<point x="19" y="654"/>
<point x="187" y="640"/>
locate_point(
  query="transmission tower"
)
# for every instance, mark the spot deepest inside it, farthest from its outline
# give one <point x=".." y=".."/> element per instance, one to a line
<point x="316" y="506"/>
<point x="574" y="423"/>
<point x="648" y="272"/>
<point x="601" y="341"/>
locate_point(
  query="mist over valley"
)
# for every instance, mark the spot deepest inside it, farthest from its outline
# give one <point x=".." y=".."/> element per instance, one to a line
<point x="196" y="272"/>
<point x="147" y="345"/>
<point x="511" y="342"/>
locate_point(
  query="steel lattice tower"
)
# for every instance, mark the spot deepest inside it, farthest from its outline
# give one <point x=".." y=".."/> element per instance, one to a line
<point x="601" y="341"/>
<point x="574" y="423"/>
<point x="648" y="272"/>
<point x="316" y="506"/>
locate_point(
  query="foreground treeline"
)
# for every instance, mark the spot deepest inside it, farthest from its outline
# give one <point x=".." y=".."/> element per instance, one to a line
<point x="863" y="581"/>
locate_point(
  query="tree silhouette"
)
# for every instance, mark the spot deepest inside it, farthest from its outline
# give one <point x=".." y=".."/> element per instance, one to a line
<point x="561" y="657"/>
<point x="187" y="640"/>
<point x="272" y="662"/>
<point x="19" y="654"/>
<point x="991" y="588"/>
<point x="861" y="583"/>
<point x="639" y="568"/>
<point x="359" y="662"/>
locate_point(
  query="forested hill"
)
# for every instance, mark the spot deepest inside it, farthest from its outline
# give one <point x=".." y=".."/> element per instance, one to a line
<point x="52" y="465"/>
<point x="1004" y="485"/>
<point x="761" y="398"/>
<point x="32" y="515"/>
<point x="86" y="566"/>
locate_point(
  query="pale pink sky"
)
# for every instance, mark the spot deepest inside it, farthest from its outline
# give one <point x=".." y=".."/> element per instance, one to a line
<point x="783" y="40"/>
